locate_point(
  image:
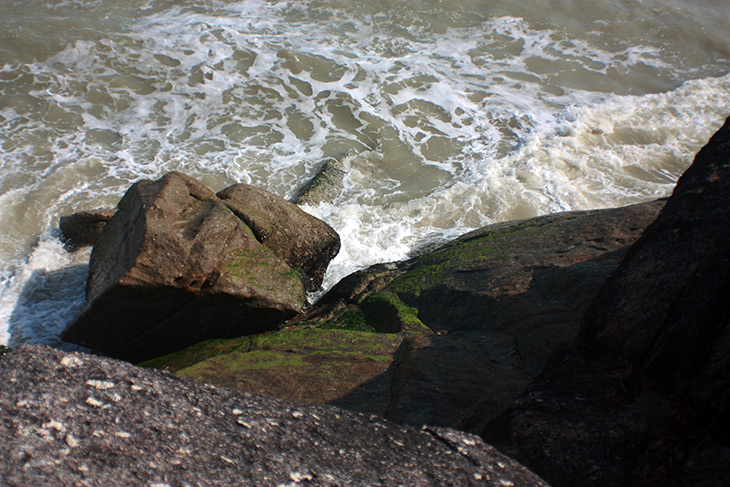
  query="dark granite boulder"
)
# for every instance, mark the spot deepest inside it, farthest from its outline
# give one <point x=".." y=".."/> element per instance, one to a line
<point x="531" y="279"/>
<point x="74" y="419"/>
<point x="666" y="310"/>
<point x="513" y="293"/>
<point x="642" y="396"/>
<point x="175" y="266"/>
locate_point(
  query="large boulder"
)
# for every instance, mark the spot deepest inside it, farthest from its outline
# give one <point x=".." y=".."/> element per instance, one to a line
<point x="531" y="279"/>
<point x="176" y="265"/>
<point x="302" y="241"/>
<point x="666" y="310"/>
<point x="643" y="395"/>
<point x="74" y="419"/>
<point x="513" y="293"/>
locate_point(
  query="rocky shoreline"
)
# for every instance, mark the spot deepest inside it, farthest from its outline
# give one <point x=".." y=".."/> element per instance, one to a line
<point x="592" y="347"/>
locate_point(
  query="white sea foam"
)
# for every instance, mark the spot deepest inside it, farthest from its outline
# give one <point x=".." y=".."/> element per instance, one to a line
<point x="458" y="116"/>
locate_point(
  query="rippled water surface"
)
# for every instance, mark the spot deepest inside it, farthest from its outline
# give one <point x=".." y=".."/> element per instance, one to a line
<point x="452" y="115"/>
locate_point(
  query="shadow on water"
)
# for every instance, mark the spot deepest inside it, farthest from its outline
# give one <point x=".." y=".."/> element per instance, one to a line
<point x="47" y="302"/>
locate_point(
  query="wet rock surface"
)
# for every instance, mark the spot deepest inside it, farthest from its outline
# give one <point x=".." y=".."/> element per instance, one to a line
<point x="97" y="421"/>
<point x="325" y="186"/>
<point x="176" y="265"/>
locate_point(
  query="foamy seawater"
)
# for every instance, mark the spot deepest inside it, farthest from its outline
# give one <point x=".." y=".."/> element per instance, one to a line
<point x="448" y="116"/>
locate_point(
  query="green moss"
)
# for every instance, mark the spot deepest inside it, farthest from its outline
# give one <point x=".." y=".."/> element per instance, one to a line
<point x="299" y="340"/>
<point x="433" y="268"/>
<point x="241" y="361"/>
<point x="240" y="262"/>
<point x="349" y="318"/>
<point x="385" y="311"/>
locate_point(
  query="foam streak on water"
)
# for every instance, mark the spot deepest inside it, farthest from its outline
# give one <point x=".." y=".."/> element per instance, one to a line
<point x="449" y="117"/>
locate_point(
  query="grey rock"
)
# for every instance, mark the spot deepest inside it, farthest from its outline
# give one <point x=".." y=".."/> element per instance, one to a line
<point x="325" y="186"/>
<point x="74" y="419"/>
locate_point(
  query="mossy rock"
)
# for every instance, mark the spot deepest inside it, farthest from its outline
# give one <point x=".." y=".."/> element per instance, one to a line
<point x="301" y="364"/>
<point x="385" y="312"/>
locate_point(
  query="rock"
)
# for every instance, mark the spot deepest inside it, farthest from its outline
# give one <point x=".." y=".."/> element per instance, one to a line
<point x="176" y="266"/>
<point x="299" y="364"/>
<point x="301" y="240"/>
<point x="575" y="426"/>
<point x="666" y="309"/>
<point x="144" y="427"/>
<point x="641" y="397"/>
<point x="460" y="380"/>
<point x="388" y="314"/>
<point x="81" y="229"/>
<point x="505" y="309"/>
<point x="531" y="279"/>
<point x="325" y="186"/>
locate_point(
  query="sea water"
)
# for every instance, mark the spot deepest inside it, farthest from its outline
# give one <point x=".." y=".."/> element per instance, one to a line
<point x="448" y="115"/>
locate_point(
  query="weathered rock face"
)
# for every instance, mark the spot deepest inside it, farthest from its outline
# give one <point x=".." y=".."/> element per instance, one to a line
<point x="175" y="266"/>
<point x="83" y="228"/>
<point x="302" y="241"/>
<point x="78" y="419"/>
<point x="642" y="396"/>
<point x="531" y="279"/>
<point x="325" y="186"/>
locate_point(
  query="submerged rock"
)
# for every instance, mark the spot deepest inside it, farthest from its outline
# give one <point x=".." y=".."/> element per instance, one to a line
<point x="74" y="419"/>
<point x="176" y="265"/>
<point x="325" y="186"/>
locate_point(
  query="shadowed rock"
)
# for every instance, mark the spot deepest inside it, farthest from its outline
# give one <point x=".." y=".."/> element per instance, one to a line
<point x="643" y="396"/>
<point x="666" y="309"/>
<point x="83" y="228"/>
<point x="74" y="419"/>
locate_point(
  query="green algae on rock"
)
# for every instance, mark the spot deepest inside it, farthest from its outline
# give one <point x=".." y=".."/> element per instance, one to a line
<point x="476" y="320"/>
<point x="301" y="364"/>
